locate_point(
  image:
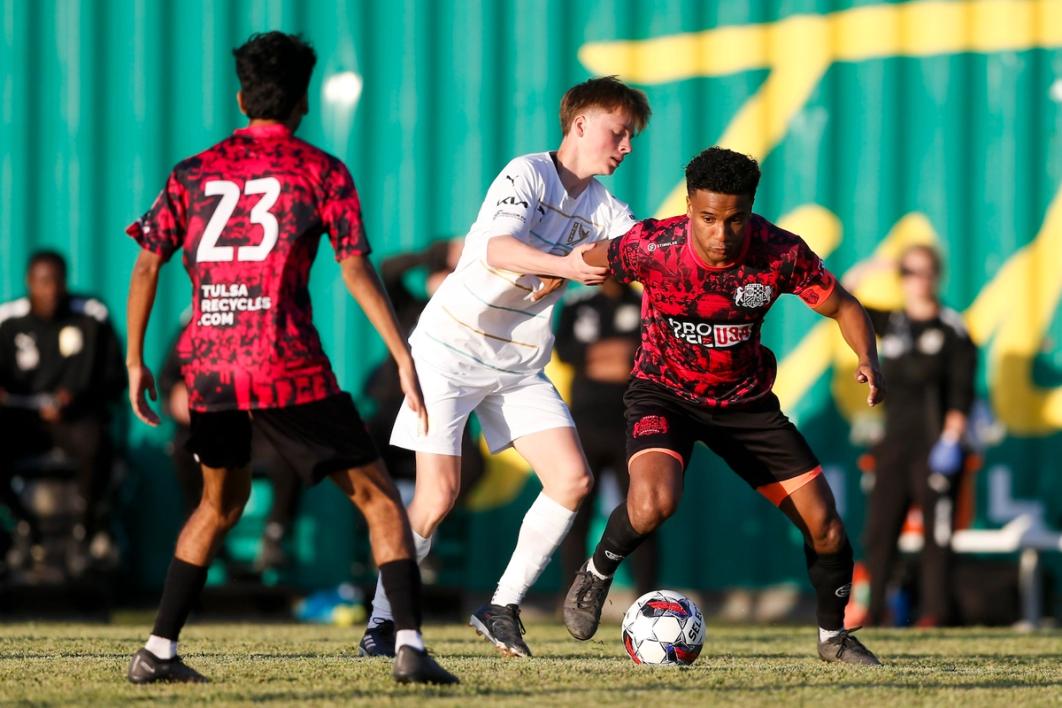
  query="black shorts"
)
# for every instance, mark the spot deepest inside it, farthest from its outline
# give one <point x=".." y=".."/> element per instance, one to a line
<point x="755" y="439"/>
<point x="316" y="439"/>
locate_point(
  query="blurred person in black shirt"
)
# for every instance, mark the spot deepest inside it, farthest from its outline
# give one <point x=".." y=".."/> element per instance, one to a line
<point x="287" y="490"/>
<point x="61" y="372"/>
<point x="929" y="361"/>
<point x="597" y="334"/>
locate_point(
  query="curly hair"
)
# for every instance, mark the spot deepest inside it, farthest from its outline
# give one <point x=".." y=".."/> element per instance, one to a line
<point x="274" y="71"/>
<point x="606" y="92"/>
<point x="723" y="171"/>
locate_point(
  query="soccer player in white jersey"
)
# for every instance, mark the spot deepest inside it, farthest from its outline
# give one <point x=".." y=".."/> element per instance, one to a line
<point x="482" y="342"/>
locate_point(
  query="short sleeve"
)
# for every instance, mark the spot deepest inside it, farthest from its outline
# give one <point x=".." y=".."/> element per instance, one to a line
<point x="810" y="279"/>
<point x="340" y="213"/>
<point x="627" y="255"/>
<point x="622" y="219"/>
<point x="162" y="229"/>
<point x="512" y="200"/>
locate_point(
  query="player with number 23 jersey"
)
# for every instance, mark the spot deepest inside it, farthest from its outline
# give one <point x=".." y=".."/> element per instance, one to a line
<point x="248" y="214"/>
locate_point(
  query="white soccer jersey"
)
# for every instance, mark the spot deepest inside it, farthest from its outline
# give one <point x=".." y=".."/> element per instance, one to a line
<point x="481" y="322"/>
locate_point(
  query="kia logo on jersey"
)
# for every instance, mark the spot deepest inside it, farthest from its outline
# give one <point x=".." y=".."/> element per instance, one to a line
<point x="752" y="295"/>
<point x="710" y="335"/>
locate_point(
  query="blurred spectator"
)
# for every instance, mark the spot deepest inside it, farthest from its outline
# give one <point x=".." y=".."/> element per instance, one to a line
<point x="929" y="364"/>
<point x="60" y="372"/>
<point x="264" y="461"/>
<point x="598" y="334"/>
<point x="382" y="386"/>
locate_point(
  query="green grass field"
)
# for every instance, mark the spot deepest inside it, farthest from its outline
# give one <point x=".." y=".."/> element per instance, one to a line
<point x="298" y="664"/>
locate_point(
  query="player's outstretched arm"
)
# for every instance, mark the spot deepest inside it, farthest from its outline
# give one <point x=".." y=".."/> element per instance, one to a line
<point x="142" y="288"/>
<point x="858" y="332"/>
<point x="595" y="255"/>
<point x="364" y="285"/>
<point x="512" y="254"/>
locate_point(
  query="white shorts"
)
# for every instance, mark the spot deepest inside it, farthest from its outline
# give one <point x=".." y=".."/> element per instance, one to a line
<point x="506" y="412"/>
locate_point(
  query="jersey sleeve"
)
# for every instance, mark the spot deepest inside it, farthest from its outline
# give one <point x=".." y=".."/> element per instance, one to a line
<point x="628" y="256"/>
<point x="810" y="280"/>
<point x="512" y="199"/>
<point x="162" y="229"/>
<point x="341" y="214"/>
<point x="622" y="219"/>
<point x="879" y="319"/>
<point x="961" y="370"/>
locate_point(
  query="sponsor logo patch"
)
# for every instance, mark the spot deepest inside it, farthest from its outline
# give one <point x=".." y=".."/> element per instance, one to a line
<point x="650" y="425"/>
<point x="843" y="591"/>
<point x="707" y="334"/>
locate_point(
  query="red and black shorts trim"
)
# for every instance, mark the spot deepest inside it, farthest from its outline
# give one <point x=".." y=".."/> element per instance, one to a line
<point x="755" y="439"/>
<point x="316" y="438"/>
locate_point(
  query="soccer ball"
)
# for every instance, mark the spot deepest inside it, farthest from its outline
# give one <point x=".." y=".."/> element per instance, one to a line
<point x="663" y="627"/>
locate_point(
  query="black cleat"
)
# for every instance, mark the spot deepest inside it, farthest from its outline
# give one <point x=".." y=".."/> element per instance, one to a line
<point x="583" y="603"/>
<point x="417" y="666"/>
<point x="501" y="626"/>
<point x="148" y="668"/>
<point x="847" y="649"/>
<point x="379" y="639"/>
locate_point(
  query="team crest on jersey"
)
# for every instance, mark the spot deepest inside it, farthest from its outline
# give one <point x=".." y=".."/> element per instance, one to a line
<point x="578" y="232"/>
<point x="752" y="295"/>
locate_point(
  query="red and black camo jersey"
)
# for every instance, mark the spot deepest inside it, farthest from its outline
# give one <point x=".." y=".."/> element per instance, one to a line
<point x="248" y="214"/>
<point x="701" y="324"/>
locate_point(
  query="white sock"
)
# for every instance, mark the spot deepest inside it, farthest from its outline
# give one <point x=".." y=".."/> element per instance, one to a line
<point x="825" y="634"/>
<point x="545" y="525"/>
<point x="381" y="606"/>
<point x="161" y="647"/>
<point x="409" y="638"/>
<point x="595" y="571"/>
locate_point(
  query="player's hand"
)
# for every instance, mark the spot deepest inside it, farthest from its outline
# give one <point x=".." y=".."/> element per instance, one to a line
<point x="549" y="285"/>
<point x="870" y="375"/>
<point x="576" y="268"/>
<point x="142" y="385"/>
<point x="407" y="377"/>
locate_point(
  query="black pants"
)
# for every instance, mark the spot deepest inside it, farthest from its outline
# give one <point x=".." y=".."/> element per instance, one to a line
<point x="86" y="441"/>
<point x="903" y="478"/>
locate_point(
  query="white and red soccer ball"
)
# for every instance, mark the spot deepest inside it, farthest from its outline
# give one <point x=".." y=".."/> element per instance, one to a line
<point x="663" y="627"/>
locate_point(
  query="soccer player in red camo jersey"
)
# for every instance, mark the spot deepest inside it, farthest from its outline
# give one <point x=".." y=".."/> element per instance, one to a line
<point x="702" y="374"/>
<point x="247" y="215"/>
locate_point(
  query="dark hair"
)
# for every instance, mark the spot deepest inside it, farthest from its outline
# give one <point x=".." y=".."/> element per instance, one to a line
<point x="724" y="172"/>
<point x="609" y="93"/>
<point x="53" y="258"/>
<point x="274" y="70"/>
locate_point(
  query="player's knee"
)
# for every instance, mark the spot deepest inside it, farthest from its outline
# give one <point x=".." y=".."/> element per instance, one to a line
<point x="649" y="511"/>
<point x="828" y="536"/>
<point x="580" y="486"/>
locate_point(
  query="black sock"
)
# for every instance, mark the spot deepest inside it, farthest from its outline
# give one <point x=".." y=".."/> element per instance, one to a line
<point x="184" y="582"/>
<point x="401" y="582"/>
<point x="617" y="542"/>
<point x="831" y="576"/>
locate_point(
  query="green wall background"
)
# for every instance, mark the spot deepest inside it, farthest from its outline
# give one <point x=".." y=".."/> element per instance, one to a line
<point x="876" y="124"/>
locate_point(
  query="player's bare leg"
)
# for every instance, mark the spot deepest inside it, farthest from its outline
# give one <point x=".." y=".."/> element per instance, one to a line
<point x="225" y="492"/>
<point x="656" y="479"/>
<point x="829" y="560"/>
<point x="438" y="485"/>
<point x="372" y="491"/>
<point x="557" y="458"/>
